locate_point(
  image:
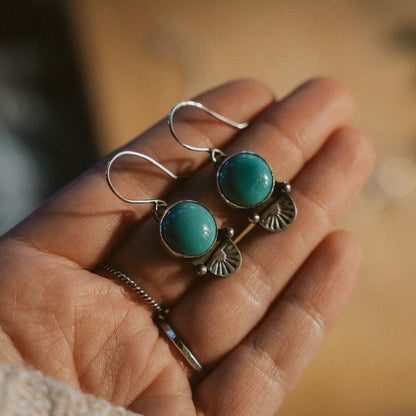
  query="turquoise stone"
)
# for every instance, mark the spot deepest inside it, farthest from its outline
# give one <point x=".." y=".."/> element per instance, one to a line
<point x="245" y="179"/>
<point x="188" y="228"/>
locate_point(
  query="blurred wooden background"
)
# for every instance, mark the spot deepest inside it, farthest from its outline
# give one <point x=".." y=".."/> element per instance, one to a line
<point x="141" y="57"/>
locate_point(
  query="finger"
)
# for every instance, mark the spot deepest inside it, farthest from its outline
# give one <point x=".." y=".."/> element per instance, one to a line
<point x="270" y="260"/>
<point x="256" y="377"/>
<point x="85" y="221"/>
<point x="287" y="134"/>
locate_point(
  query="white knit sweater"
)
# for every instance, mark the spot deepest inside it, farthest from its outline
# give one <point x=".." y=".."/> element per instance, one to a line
<point x="25" y="392"/>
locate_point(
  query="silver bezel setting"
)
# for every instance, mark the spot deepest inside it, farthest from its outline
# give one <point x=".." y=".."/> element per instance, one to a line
<point x="175" y="253"/>
<point x="233" y="204"/>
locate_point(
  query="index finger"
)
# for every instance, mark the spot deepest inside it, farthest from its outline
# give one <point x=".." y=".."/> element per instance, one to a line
<point x="84" y="222"/>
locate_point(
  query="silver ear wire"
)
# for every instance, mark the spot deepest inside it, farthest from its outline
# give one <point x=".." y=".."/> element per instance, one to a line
<point x="267" y="202"/>
<point x="213" y="152"/>
<point x="208" y="249"/>
<point x="157" y="202"/>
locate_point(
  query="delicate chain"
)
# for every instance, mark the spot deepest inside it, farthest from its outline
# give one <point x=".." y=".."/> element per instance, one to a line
<point x="133" y="286"/>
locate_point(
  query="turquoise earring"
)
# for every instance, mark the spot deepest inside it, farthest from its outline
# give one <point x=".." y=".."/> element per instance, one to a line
<point x="245" y="180"/>
<point x="188" y="229"/>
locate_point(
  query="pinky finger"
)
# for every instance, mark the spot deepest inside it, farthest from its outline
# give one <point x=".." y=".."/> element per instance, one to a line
<point x="255" y="378"/>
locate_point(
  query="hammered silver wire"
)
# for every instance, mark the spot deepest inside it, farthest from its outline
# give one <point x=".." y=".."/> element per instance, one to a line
<point x="133" y="286"/>
<point x="160" y="318"/>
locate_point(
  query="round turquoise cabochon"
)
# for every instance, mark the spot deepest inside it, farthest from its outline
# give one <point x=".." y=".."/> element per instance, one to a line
<point x="188" y="228"/>
<point x="245" y="179"/>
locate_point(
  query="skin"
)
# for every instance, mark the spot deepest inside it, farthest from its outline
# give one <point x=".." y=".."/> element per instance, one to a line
<point x="255" y="332"/>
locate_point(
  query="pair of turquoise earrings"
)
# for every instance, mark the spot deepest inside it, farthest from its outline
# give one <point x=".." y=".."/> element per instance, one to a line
<point x="244" y="180"/>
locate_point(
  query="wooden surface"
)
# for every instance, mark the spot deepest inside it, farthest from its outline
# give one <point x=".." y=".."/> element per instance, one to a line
<point x="141" y="57"/>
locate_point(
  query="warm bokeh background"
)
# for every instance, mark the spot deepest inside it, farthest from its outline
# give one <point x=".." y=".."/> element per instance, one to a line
<point x="141" y="57"/>
<point x="138" y="58"/>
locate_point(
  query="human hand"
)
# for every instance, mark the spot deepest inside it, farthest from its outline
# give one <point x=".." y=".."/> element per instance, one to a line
<point x="256" y="331"/>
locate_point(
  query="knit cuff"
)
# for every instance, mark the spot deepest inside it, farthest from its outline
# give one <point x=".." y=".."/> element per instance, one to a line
<point x="25" y="392"/>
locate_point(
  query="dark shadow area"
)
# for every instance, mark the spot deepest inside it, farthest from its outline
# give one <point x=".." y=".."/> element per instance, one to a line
<point x="45" y="135"/>
<point x="405" y="36"/>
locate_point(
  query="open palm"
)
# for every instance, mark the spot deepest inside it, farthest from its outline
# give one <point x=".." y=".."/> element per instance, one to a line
<point x="254" y="332"/>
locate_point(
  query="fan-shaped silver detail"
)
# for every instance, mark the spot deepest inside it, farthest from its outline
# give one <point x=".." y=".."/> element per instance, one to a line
<point x="279" y="215"/>
<point x="225" y="260"/>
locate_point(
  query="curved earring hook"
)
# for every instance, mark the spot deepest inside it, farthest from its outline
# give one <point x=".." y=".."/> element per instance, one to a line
<point x="212" y="113"/>
<point x="157" y="202"/>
